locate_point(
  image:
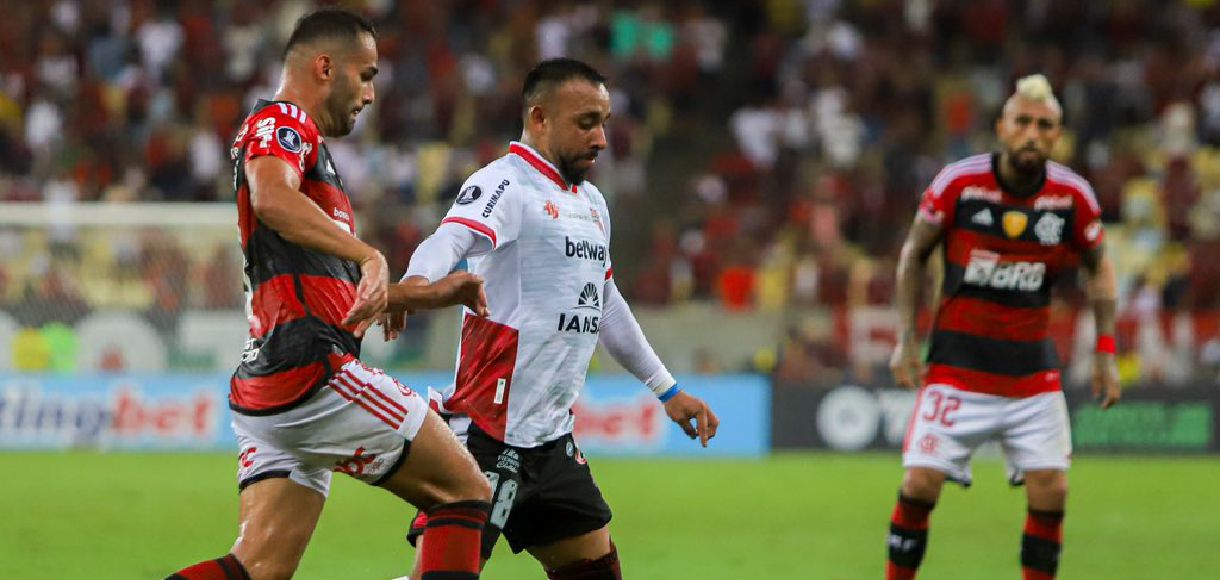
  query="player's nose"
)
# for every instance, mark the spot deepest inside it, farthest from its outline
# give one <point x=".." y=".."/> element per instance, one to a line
<point x="599" y="139"/>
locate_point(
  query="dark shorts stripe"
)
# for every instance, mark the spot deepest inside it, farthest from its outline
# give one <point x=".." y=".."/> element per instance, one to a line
<point x="1001" y="357"/>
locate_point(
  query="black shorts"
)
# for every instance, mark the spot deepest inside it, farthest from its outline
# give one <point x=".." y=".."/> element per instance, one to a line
<point x="540" y="495"/>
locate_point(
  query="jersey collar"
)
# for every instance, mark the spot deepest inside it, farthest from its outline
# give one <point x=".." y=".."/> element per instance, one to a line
<point x="542" y="165"/>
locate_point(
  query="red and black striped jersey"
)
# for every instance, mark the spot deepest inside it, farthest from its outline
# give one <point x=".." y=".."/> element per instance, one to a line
<point x="1002" y="254"/>
<point x="296" y="298"/>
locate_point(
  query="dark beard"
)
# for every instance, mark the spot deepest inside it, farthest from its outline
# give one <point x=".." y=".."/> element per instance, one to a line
<point x="569" y="173"/>
<point x="1027" y="169"/>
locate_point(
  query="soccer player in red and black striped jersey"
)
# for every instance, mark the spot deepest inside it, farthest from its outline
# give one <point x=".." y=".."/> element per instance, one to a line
<point x="1010" y="222"/>
<point x="304" y="405"/>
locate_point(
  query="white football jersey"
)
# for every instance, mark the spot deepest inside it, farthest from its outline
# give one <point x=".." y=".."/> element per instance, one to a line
<point x="520" y="370"/>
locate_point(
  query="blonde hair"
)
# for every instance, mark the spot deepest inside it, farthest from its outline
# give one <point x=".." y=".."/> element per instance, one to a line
<point x="1035" y="88"/>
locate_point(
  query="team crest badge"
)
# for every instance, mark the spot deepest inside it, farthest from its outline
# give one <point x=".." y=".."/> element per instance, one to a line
<point x="1049" y="229"/>
<point x="1014" y="223"/>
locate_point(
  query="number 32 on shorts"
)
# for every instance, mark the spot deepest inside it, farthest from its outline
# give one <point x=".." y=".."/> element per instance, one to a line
<point x="938" y="406"/>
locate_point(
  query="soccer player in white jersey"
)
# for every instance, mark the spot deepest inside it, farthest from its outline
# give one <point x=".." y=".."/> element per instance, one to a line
<point x="539" y="234"/>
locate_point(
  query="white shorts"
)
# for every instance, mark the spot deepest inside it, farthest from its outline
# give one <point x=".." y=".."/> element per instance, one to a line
<point x="949" y="424"/>
<point x="360" y="423"/>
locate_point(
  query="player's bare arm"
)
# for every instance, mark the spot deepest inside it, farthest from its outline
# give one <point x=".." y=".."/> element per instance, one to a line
<point x="912" y="272"/>
<point x="1103" y="290"/>
<point x="415" y="293"/>
<point x="278" y="203"/>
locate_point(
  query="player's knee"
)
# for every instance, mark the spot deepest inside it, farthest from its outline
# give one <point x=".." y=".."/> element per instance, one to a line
<point x="923" y="484"/>
<point x="471" y="486"/>
<point x="1047" y="483"/>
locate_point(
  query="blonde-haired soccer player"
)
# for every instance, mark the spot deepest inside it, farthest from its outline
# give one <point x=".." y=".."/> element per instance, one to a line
<point x="1010" y="223"/>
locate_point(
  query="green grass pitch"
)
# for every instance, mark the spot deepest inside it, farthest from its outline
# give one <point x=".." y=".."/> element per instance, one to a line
<point x="101" y="516"/>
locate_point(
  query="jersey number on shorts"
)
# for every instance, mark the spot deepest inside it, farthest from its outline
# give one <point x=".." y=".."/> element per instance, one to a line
<point x="505" y="495"/>
<point x="941" y="406"/>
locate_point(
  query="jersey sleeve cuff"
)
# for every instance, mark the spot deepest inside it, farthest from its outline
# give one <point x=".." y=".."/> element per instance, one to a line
<point x="661" y="383"/>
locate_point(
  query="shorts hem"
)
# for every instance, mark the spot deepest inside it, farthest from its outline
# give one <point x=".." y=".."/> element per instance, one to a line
<point x="402" y="457"/>
<point x="253" y="479"/>
<point x="570" y="532"/>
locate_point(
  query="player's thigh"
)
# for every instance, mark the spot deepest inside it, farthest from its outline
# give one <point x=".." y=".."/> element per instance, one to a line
<point x="278" y="516"/>
<point x="946" y="426"/>
<point x="438" y="469"/>
<point x="588" y="546"/>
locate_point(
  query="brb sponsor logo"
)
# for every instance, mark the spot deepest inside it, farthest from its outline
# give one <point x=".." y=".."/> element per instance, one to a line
<point x="584" y="250"/>
<point x="125" y="416"/>
<point x="985" y="269"/>
<point x="636" y="423"/>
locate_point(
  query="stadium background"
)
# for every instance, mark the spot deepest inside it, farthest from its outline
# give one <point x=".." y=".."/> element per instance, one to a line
<point x="765" y="159"/>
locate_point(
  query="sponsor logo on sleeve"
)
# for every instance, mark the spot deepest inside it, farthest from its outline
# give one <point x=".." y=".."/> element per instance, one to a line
<point x="1092" y="231"/>
<point x="468" y="195"/>
<point x="289" y="139"/>
<point x="495" y="198"/>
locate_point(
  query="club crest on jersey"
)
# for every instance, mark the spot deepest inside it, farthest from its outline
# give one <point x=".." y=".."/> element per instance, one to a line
<point x="551" y="209"/>
<point x="468" y="195"/>
<point x="597" y="219"/>
<point x="1014" y="223"/>
<point x="1049" y="229"/>
<point x="289" y="139"/>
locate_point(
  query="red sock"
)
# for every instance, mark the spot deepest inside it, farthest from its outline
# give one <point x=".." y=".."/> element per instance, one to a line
<point x="1041" y="544"/>
<point x="604" y="568"/>
<point x="908" y="537"/>
<point x="226" y="568"/>
<point x="452" y="541"/>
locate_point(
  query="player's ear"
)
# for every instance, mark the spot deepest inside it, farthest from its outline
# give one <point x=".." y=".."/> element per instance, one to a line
<point x="324" y="67"/>
<point x="535" y="116"/>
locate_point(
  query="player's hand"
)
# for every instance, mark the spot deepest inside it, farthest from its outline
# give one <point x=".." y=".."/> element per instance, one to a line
<point x="684" y="407"/>
<point x="393" y="322"/>
<point x="461" y="288"/>
<point x="1105" y="379"/>
<point x="905" y="363"/>
<point x="371" y="294"/>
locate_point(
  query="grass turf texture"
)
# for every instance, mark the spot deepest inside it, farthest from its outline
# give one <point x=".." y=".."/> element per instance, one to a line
<point x="99" y="516"/>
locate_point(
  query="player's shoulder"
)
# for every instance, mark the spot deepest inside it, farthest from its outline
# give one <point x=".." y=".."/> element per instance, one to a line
<point x="492" y="183"/>
<point x="499" y="174"/>
<point x="1063" y="177"/>
<point x="289" y="124"/>
<point x="960" y="172"/>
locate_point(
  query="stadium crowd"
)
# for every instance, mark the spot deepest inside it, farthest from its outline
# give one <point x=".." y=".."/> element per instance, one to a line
<point x="769" y="153"/>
